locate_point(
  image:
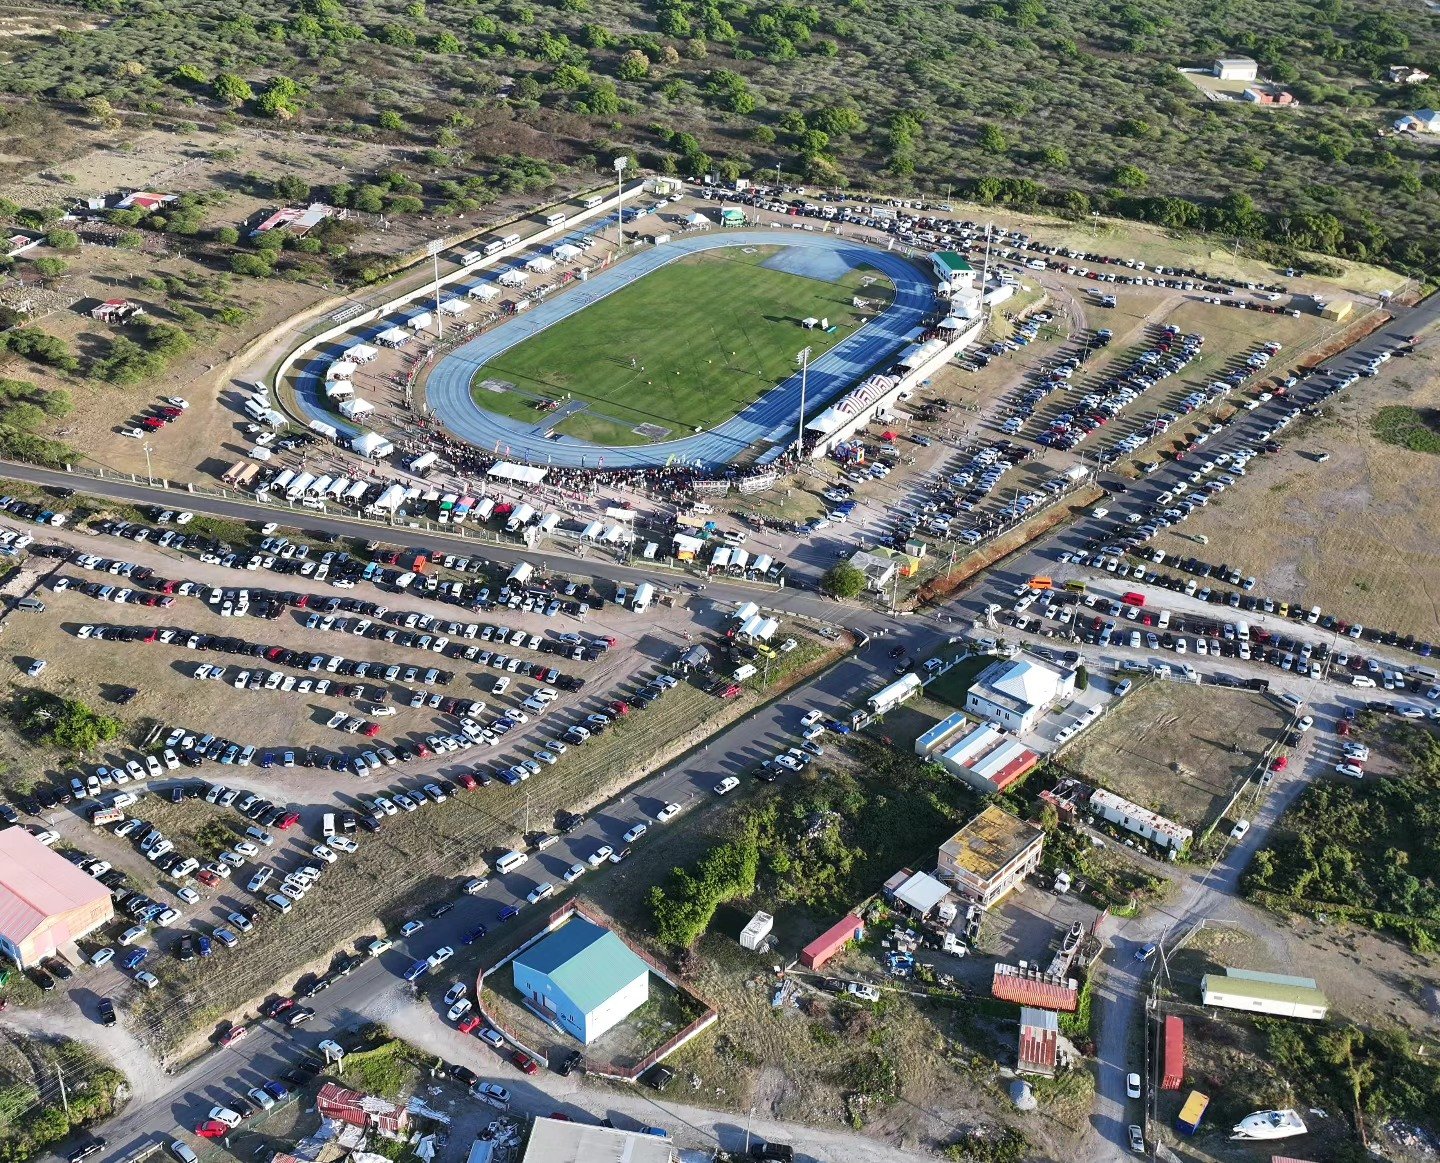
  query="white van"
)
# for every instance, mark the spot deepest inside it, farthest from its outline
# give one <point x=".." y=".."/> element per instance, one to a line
<point x="591" y="202"/>
<point x="1428" y="673"/>
<point x="1242" y="631"/>
<point x="1294" y="702"/>
<point x="327" y="825"/>
<point x="554" y="219"/>
<point x="510" y="862"/>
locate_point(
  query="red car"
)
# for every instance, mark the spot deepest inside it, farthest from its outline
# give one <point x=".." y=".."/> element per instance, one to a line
<point x="465" y="780"/>
<point x="207" y="878"/>
<point x="212" y="1129"/>
<point x="1343" y="727"/>
<point x="233" y="1035"/>
<point x="169" y="413"/>
<point x="469" y="1024"/>
<point x="1279" y="763"/>
<point x="280" y="1005"/>
<point x="422" y="750"/>
<point x="152" y="423"/>
<point x="288" y="820"/>
<point x="370" y="730"/>
<point x="526" y="1064"/>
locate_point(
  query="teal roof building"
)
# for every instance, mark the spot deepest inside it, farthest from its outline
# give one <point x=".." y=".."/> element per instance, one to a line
<point x="583" y="978"/>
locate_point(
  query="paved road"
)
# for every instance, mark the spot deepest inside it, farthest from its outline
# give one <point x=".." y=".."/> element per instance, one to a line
<point x="772" y="416"/>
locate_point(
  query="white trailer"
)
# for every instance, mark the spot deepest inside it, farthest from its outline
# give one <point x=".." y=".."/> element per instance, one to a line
<point x="644" y="594"/>
<point x="890" y="697"/>
<point x="521" y="573"/>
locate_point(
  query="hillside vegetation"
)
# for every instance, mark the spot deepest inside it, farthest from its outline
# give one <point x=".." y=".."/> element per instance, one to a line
<point x="1072" y="104"/>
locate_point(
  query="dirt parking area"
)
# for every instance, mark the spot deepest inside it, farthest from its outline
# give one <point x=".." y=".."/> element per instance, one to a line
<point x="1353" y="534"/>
<point x="1177" y="749"/>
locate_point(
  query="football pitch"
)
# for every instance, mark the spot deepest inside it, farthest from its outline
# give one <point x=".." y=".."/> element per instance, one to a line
<point x="685" y="347"/>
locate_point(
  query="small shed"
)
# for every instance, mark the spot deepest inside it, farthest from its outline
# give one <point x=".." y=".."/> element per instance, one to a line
<point x="921" y="893"/>
<point x="731" y="216"/>
<point x="1039" y="1042"/>
<point x="754" y="934"/>
<point x="696" y="657"/>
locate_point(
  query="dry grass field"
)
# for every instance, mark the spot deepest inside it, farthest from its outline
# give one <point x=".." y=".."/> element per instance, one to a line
<point x="1177" y="749"/>
<point x="1356" y="535"/>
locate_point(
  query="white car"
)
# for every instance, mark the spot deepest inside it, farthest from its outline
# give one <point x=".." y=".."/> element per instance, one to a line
<point x="726" y="785"/>
<point x="459" y="1009"/>
<point x="636" y="832"/>
<point x="600" y="855"/>
<point x="1239" y="830"/>
<point x="540" y="892"/>
<point x="811" y="718"/>
<point x="1132" y="1086"/>
<point x="574" y="873"/>
<point x="439" y="957"/>
<point x="492" y="1093"/>
<point x="325" y="853"/>
<point x="1353" y="770"/>
<point x="667" y="813"/>
<point x="344" y="844"/>
<point x="223" y="1114"/>
<point x="454" y="993"/>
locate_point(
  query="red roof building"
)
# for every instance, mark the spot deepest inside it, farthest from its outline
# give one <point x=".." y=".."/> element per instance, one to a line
<point x="1030" y="987"/>
<point x="1039" y="1042"/>
<point x="46" y="903"/>
<point x="1174" y="1073"/>
<point x="360" y="1110"/>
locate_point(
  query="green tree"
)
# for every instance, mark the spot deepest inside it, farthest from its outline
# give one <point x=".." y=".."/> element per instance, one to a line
<point x="51" y="267"/>
<point x="993" y="139"/>
<point x="391" y="121"/>
<point x="1129" y="177"/>
<point x="633" y="66"/>
<point x="233" y="90"/>
<point x="843" y="580"/>
<point x="62" y="239"/>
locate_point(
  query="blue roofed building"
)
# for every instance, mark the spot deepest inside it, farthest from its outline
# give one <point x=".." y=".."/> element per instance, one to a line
<point x="582" y="977"/>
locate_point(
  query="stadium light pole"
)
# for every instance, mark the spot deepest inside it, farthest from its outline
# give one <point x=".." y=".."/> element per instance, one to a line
<point x="620" y="164"/>
<point x="803" y="359"/>
<point x="433" y="248"/>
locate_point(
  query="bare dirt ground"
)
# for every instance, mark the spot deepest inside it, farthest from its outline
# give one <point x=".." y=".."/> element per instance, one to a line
<point x="1178" y="749"/>
<point x="1354" y="535"/>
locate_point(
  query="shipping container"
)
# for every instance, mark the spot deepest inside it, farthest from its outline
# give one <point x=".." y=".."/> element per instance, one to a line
<point x="830" y="942"/>
<point x="1192" y="1112"/>
<point x="1174" y="1071"/>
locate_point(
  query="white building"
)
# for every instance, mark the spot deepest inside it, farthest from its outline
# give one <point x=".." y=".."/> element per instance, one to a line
<point x="1235" y="69"/>
<point x="1264" y="993"/>
<point x="879" y="570"/>
<point x="1142" y="821"/>
<point x="1017" y="694"/>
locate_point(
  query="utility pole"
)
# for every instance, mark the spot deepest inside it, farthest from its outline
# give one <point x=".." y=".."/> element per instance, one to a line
<point x="748" y="1117"/>
<point x="64" y="1098"/>
<point x="803" y="359"/>
<point x="433" y="248"/>
<point x="620" y="164"/>
<point x="149" y="475"/>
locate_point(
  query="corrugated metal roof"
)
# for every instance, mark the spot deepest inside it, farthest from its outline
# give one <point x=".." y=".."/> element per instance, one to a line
<point x="37" y="884"/>
<point x="1013" y="984"/>
<point x="586" y="962"/>
<point x="558" y="1141"/>
<point x="989" y="842"/>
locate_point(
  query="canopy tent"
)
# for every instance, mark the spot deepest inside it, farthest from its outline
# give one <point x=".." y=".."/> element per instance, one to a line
<point x="372" y="445"/>
<point x="485" y="292"/>
<point x="420" y="322"/>
<point x="454" y="307"/>
<point x="951" y="323"/>
<point x="732" y="217"/>
<point x="698" y="219"/>
<point x="329" y="431"/>
<point x="507" y="470"/>
<point x="393" y="337"/>
<point x="361" y="353"/>
<point x="592" y="531"/>
<point x="540" y="264"/>
<point x="341" y="369"/>
<point x="567" y="251"/>
<point x="922" y="892"/>
<point x="354" y="409"/>
<point x="389" y="500"/>
<point x="335" y="389"/>
<point x="514" y="278"/>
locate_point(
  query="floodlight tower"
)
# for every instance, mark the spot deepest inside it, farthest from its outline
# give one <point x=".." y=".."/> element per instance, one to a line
<point x="620" y="164"/>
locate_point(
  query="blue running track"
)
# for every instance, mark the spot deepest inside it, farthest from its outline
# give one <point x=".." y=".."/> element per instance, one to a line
<point x="772" y="417"/>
